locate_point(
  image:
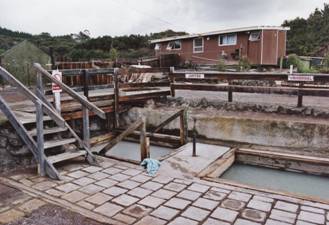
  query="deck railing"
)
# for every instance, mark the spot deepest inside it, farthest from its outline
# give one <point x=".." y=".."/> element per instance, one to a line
<point x="201" y="81"/>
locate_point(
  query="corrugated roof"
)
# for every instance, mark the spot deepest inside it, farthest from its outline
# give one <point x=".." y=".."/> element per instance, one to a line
<point x="227" y="31"/>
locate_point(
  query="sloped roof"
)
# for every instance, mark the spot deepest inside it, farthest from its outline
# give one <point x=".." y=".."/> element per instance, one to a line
<point x="226" y="31"/>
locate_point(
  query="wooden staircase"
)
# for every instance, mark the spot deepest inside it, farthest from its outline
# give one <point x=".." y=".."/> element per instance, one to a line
<point x="45" y="132"/>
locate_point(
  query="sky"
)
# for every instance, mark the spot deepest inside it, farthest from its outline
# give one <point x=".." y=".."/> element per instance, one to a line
<point x="124" y="17"/>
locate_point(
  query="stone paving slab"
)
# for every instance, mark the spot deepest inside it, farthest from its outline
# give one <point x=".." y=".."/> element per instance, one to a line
<point x="125" y="194"/>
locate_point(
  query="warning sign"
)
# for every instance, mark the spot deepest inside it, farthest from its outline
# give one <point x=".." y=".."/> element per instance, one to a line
<point x="194" y="76"/>
<point x="300" y="78"/>
<point x="58" y="76"/>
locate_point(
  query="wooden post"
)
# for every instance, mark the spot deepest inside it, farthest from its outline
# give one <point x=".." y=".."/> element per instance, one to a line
<point x="230" y="92"/>
<point x="281" y="63"/>
<point x="116" y="99"/>
<point x="85" y="83"/>
<point x="85" y="111"/>
<point x="143" y="141"/>
<point x="40" y="138"/>
<point x="183" y="127"/>
<point x="172" y="81"/>
<point x="300" y="97"/>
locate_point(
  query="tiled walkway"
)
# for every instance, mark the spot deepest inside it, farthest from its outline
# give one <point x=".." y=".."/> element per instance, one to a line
<point x="121" y="193"/>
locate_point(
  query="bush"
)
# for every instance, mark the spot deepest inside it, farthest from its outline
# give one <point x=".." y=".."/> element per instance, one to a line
<point x="244" y="64"/>
<point x="294" y="60"/>
<point x="221" y="66"/>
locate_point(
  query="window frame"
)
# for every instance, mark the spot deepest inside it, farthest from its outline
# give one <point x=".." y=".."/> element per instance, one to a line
<point x="232" y="34"/>
<point x="157" y="46"/>
<point x="174" y="49"/>
<point x="194" y="51"/>
<point x="253" y="32"/>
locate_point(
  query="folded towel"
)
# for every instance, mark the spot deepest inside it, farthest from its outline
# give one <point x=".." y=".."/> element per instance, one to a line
<point x="151" y="165"/>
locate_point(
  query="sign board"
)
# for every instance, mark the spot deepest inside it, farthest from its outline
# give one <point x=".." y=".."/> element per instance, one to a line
<point x="194" y="76"/>
<point x="300" y="78"/>
<point x="58" y="76"/>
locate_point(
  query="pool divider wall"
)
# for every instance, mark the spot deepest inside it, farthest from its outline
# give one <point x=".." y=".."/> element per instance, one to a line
<point x="284" y="161"/>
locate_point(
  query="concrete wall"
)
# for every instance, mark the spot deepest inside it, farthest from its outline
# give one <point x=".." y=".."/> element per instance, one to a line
<point x="267" y="130"/>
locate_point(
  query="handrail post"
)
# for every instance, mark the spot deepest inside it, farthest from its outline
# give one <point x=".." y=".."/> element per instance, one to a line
<point x="183" y="127"/>
<point x="172" y="82"/>
<point x="40" y="138"/>
<point x="230" y="92"/>
<point x="144" y="141"/>
<point x="85" y="111"/>
<point x="300" y="97"/>
<point x="116" y="99"/>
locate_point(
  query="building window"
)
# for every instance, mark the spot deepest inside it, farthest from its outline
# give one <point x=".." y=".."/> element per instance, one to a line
<point x="254" y="36"/>
<point x="157" y="46"/>
<point x="198" y="45"/>
<point x="174" y="45"/>
<point x="228" y="39"/>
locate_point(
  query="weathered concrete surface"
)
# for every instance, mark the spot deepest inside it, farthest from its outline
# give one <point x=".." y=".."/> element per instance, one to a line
<point x="184" y="165"/>
<point x="122" y="193"/>
<point x="308" y="134"/>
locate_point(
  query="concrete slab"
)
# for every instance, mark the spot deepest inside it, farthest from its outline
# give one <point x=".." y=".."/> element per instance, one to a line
<point x="184" y="165"/>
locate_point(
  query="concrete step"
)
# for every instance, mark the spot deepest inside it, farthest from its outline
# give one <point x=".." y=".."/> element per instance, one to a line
<point x="56" y="143"/>
<point x="46" y="131"/>
<point x="66" y="156"/>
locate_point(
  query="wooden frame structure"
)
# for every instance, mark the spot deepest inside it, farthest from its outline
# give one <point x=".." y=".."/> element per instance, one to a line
<point x="180" y="81"/>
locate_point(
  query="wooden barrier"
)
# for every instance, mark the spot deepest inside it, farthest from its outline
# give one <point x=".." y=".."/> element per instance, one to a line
<point x="197" y="81"/>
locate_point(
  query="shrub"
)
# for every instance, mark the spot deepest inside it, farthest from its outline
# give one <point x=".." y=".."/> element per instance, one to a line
<point x="294" y="60"/>
<point x="221" y="66"/>
<point x="244" y="64"/>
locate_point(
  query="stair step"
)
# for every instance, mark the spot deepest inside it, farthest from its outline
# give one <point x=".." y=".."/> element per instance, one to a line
<point x="52" y="130"/>
<point x="56" y="143"/>
<point x="66" y="156"/>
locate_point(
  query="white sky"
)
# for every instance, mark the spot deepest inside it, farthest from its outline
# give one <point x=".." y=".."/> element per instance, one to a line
<point x="119" y="17"/>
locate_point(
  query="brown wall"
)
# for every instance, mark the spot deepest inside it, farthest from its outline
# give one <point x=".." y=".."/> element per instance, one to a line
<point x="251" y="50"/>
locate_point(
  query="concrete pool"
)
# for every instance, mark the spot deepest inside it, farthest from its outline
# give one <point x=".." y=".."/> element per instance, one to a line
<point x="131" y="151"/>
<point x="279" y="180"/>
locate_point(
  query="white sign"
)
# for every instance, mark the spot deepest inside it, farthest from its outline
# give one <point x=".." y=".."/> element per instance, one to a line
<point x="194" y="76"/>
<point x="300" y="78"/>
<point x="58" y="76"/>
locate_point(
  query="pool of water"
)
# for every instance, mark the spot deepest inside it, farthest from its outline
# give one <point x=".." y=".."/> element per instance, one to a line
<point x="131" y="151"/>
<point x="279" y="180"/>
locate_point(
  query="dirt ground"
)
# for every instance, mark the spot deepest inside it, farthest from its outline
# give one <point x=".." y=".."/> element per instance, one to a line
<point x="54" y="215"/>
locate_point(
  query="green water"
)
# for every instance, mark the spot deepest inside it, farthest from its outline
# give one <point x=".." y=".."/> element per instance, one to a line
<point x="279" y="180"/>
<point x="130" y="150"/>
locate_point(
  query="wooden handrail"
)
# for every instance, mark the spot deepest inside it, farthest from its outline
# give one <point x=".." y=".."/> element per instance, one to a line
<point x="31" y="96"/>
<point x="90" y="106"/>
<point x="167" y="121"/>
<point x="180" y="75"/>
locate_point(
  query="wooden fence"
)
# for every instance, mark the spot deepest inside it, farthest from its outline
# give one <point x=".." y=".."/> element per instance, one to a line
<point x="203" y="81"/>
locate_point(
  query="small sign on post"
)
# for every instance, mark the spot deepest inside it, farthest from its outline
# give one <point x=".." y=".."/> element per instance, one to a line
<point x="301" y="78"/>
<point x="56" y="89"/>
<point x="194" y="76"/>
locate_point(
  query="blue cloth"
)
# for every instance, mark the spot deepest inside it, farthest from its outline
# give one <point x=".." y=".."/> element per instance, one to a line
<point x="151" y="165"/>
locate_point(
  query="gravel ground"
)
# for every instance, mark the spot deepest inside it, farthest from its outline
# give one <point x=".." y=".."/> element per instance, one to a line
<point x="284" y="100"/>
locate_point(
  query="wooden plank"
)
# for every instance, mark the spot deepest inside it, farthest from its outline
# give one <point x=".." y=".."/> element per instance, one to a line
<point x="31" y="96"/>
<point x="53" y="130"/>
<point x="167" y="121"/>
<point x="141" y="85"/>
<point x="57" y="143"/>
<point x="254" y="89"/>
<point x="119" y="138"/>
<point x="85" y="127"/>
<point x="66" y="156"/>
<point x="71" y="92"/>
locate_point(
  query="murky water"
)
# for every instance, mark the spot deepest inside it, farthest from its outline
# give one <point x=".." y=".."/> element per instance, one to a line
<point x="130" y="150"/>
<point x="279" y="180"/>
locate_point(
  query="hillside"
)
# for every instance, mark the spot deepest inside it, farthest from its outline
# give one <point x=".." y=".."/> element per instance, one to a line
<point x="82" y="47"/>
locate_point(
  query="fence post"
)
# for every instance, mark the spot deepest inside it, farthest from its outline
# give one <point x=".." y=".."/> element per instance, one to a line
<point x="85" y="111"/>
<point x="172" y="82"/>
<point x="116" y="99"/>
<point x="300" y="97"/>
<point x="144" y="141"/>
<point x="183" y="127"/>
<point x="230" y="93"/>
<point x="40" y="138"/>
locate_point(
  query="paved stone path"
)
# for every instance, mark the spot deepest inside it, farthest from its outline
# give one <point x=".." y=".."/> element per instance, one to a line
<point x="122" y="193"/>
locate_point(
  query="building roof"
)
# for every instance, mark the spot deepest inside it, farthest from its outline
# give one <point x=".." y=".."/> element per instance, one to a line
<point x="235" y="30"/>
